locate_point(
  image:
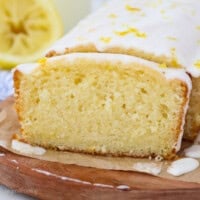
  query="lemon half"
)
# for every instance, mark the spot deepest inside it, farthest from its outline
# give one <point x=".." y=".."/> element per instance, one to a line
<point x="27" y="28"/>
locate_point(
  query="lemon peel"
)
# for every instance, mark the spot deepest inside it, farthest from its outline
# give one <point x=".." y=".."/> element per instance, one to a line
<point x="27" y="29"/>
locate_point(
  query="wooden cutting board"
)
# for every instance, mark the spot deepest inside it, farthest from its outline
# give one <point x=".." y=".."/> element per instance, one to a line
<point x="51" y="180"/>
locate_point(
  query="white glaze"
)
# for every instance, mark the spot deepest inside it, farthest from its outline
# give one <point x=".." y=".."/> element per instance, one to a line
<point x="168" y="25"/>
<point x="14" y="161"/>
<point x="102" y="185"/>
<point x="27" y="148"/>
<point x="2" y="154"/>
<point x="193" y="151"/>
<point x="182" y="166"/>
<point x="150" y="168"/>
<point x="70" y="179"/>
<point x="26" y="68"/>
<point x="123" y="187"/>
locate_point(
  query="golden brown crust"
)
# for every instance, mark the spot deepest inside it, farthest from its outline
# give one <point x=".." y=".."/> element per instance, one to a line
<point x="170" y="156"/>
<point x="16" y="78"/>
<point x="18" y="104"/>
<point x="192" y="126"/>
<point x="182" y="114"/>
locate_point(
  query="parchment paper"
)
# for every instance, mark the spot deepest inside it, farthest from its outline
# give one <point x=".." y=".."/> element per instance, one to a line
<point x="9" y="125"/>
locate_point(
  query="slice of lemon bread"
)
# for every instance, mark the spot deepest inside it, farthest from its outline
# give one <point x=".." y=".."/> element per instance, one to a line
<point x="166" y="32"/>
<point x="102" y="103"/>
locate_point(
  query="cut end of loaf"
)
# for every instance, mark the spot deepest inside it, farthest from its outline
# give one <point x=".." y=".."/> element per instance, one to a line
<point x="192" y="125"/>
<point x="117" y="108"/>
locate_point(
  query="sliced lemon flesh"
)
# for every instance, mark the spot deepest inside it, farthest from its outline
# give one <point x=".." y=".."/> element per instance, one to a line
<point x="27" y="28"/>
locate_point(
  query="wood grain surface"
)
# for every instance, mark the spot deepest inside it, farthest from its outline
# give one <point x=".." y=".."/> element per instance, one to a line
<point x="51" y="180"/>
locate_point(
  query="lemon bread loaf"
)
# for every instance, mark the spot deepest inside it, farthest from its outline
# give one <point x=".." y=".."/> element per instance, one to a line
<point x="166" y="32"/>
<point x="102" y="103"/>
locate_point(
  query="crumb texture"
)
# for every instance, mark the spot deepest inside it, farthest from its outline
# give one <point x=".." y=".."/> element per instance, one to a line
<point x="105" y="108"/>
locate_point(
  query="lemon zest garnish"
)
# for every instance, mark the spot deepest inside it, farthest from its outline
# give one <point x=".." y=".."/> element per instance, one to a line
<point x="162" y="11"/>
<point x="174" y="61"/>
<point x="132" y="9"/>
<point x="133" y="30"/>
<point x="163" y="65"/>
<point x="105" y="39"/>
<point x="197" y="64"/>
<point x="112" y="15"/>
<point x="198" y="27"/>
<point x="171" y="38"/>
<point x="173" y="51"/>
<point x="42" y="60"/>
<point x="122" y="33"/>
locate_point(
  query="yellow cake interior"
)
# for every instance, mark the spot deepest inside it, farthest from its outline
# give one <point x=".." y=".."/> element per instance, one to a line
<point x="105" y="108"/>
